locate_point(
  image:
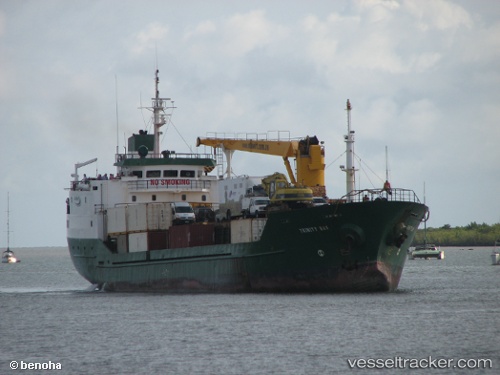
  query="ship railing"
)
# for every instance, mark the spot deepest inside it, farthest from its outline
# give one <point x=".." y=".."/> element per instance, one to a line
<point x="151" y="184"/>
<point x="394" y="194"/>
<point x="168" y="184"/>
<point x="163" y="155"/>
<point x="80" y="185"/>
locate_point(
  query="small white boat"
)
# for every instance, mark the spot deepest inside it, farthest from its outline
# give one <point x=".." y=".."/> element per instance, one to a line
<point x="8" y="257"/>
<point x="495" y="255"/>
<point x="427" y="251"/>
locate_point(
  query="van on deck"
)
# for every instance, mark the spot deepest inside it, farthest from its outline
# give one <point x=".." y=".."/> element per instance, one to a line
<point x="182" y="213"/>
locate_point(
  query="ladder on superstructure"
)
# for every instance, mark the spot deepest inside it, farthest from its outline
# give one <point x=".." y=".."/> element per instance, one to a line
<point x="219" y="159"/>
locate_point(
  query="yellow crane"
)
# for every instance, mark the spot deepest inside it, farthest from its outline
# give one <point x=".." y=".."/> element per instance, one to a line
<point x="308" y="153"/>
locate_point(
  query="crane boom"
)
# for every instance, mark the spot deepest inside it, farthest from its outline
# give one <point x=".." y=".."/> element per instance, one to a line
<point x="278" y="148"/>
<point x="309" y="156"/>
<point x="79" y="165"/>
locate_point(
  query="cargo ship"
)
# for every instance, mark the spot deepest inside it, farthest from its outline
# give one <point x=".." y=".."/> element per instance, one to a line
<point x="124" y="233"/>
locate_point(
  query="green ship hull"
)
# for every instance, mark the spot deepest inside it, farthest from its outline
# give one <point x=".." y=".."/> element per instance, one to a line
<point x="344" y="247"/>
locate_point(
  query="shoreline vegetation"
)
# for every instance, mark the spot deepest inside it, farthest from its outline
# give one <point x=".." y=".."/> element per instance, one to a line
<point x="473" y="234"/>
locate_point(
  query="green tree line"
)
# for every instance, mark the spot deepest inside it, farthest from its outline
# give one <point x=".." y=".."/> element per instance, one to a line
<point x="472" y="234"/>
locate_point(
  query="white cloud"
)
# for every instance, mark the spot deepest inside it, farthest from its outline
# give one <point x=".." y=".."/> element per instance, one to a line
<point x="419" y="119"/>
<point x="340" y="41"/>
<point x="322" y="44"/>
<point x="246" y="32"/>
<point x="147" y="38"/>
<point x="2" y="23"/>
<point x="378" y="10"/>
<point x="481" y="46"/>
<point x="426" y="61"/>
<point x="438" y="14"/>
<point x="203" y="28"/>
<point x="393" y="37"/>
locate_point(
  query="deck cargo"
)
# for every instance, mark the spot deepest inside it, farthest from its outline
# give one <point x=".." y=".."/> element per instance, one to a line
<point x="122" y="236"/>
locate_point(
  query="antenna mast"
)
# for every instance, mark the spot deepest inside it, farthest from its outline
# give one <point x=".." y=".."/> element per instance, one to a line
<point x="116" y="110"/>
<point x="386" y="165"/>
<point x="425" y="223"/>
<point x="8" y="222"/>
<point x="159" y="106"/>
<point x="349" y="168"/>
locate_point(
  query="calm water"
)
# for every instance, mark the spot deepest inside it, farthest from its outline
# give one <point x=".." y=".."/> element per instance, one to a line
<point x="445" y="309"/>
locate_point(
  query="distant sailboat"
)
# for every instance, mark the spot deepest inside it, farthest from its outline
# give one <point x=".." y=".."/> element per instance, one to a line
<point x="8" y="255"/>
<point x="495" y="255"/>
<point x="426" y="250"/>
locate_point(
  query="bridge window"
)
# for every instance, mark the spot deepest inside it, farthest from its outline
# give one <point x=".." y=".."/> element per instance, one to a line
<point x="170" y="173"/>
<point x="203" y="198"/>
<point x="153" y="197"/>
<point x="183" y="197"/>
<point x="138" y="174"/>
<point x="187" y="173"/>
<point x="151" y="174"/>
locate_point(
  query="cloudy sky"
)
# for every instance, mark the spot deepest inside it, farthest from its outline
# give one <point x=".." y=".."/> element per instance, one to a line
<point x="423" y="78"/>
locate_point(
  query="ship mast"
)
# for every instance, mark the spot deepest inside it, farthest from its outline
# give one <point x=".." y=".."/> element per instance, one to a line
<point x="349" y="168"/>
<point x="386" y="165"/>
<point x="8" y="222"/>
<point x="425" y="224"/>
<point x="159" y="106"/>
